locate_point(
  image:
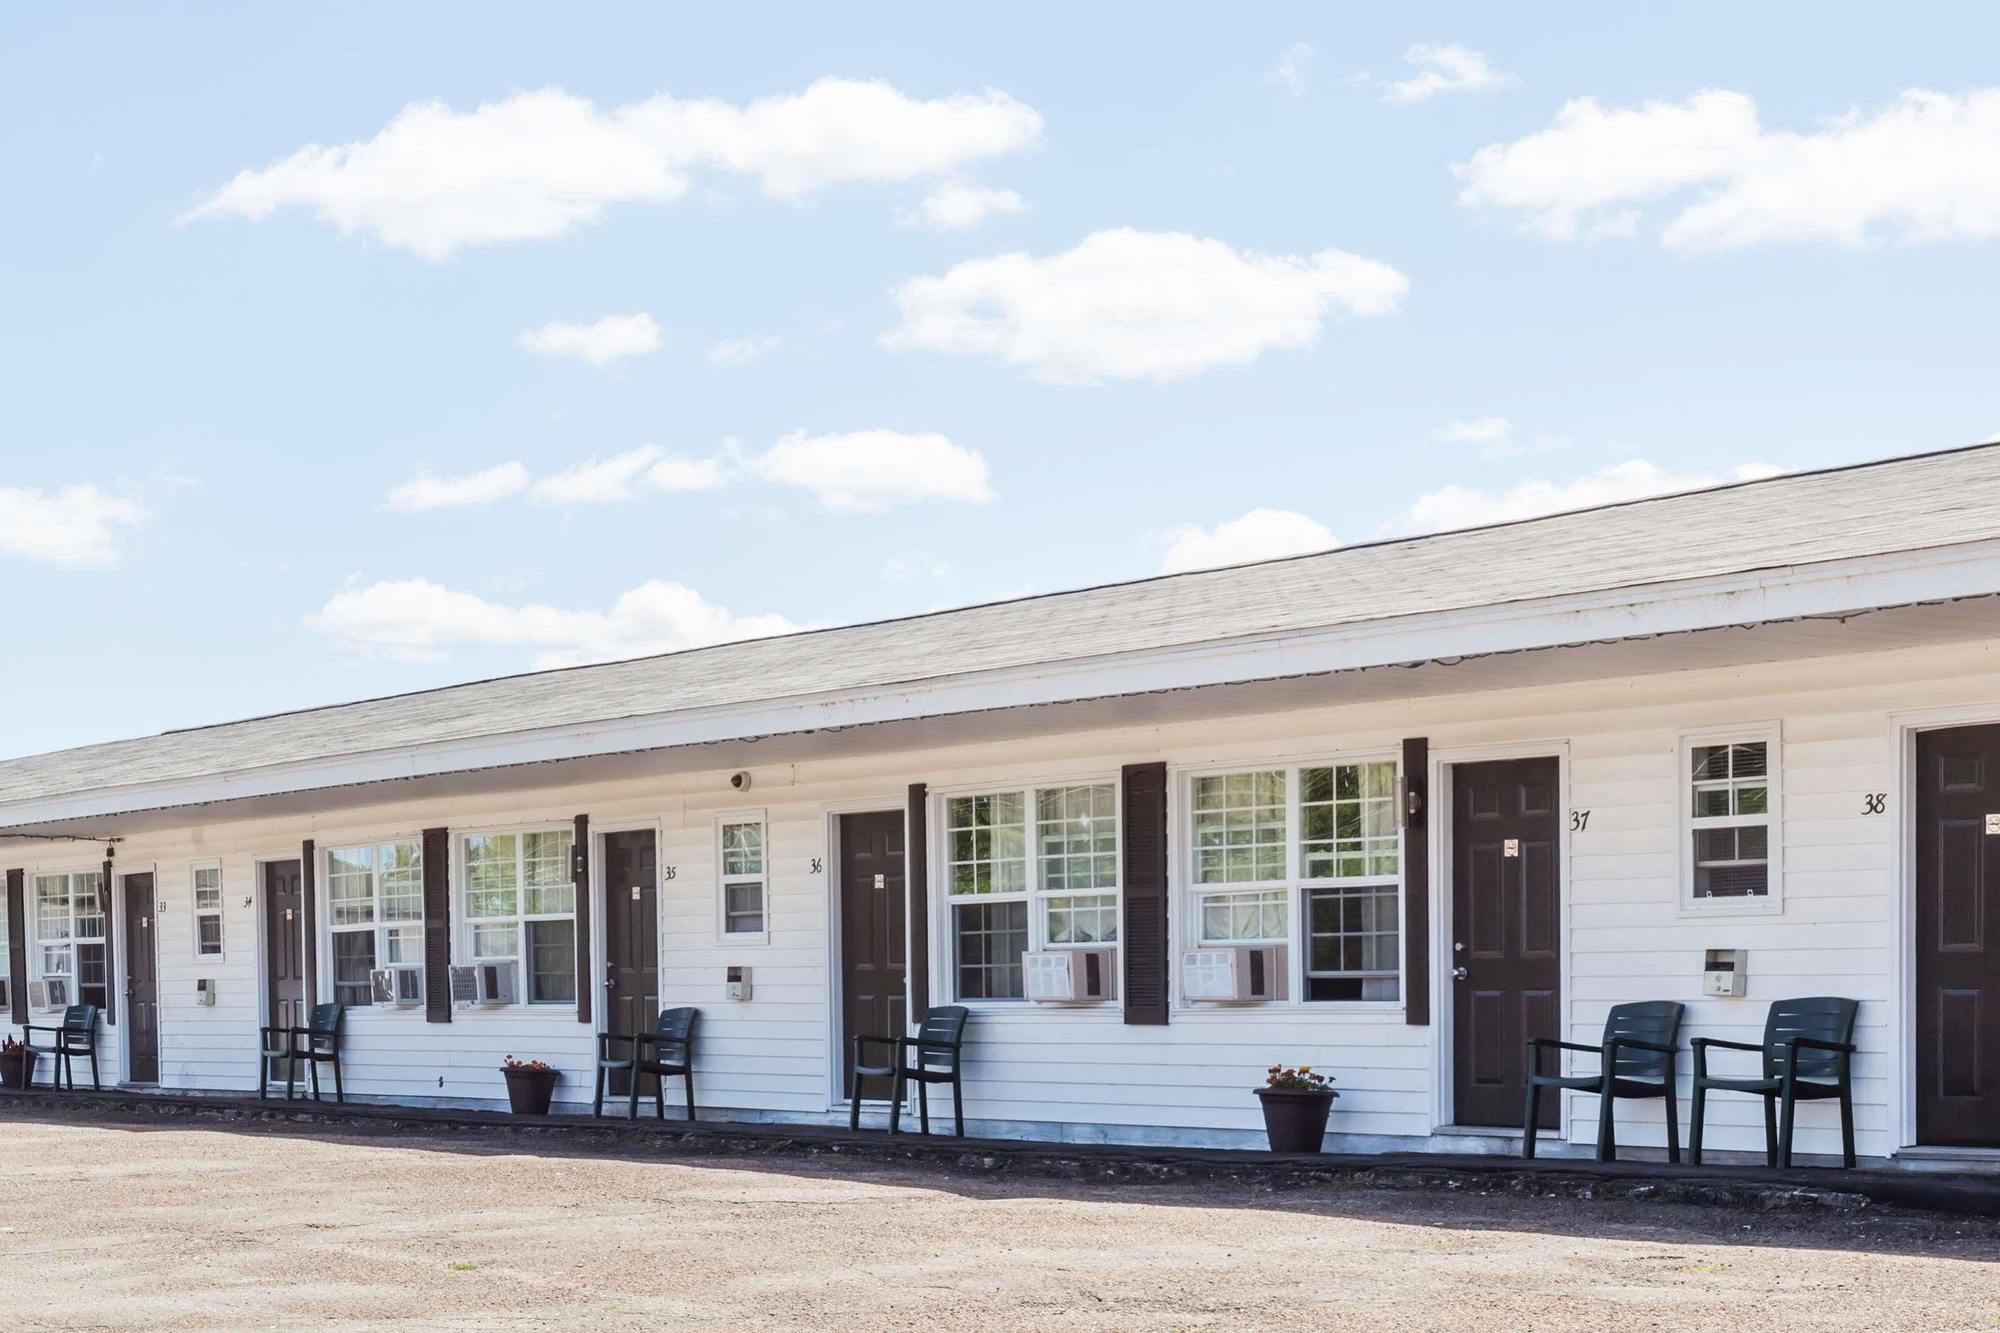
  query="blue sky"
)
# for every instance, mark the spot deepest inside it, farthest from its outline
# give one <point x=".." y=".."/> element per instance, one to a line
<point x="909" y="308"/>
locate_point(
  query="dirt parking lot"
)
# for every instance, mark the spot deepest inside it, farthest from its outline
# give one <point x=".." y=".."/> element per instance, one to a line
<point x="117" y="1227"/>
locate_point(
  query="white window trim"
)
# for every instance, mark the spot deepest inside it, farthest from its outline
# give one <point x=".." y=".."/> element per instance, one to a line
<point x="1187" y="895"/>
<point x="31" y="905"/>
<point x="723" y="935"/>
<point x="196" y="913"/>
<point x="324" y="927"/>
<point x="462" y="919"/>
<point x="944" y="930"/>
<point x="1773" y="902"/>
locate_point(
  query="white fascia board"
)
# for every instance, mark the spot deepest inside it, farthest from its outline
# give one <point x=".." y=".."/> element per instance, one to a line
<point x="1785" y="593"/>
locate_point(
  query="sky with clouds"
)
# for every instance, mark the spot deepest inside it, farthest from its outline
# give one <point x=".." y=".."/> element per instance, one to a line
<point x="353" y="350"/>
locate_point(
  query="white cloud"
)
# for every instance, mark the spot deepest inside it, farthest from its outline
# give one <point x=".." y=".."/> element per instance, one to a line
<point x="956" y="205"/>
<point x="912" y="566"/>
<point x="867" y="471"/>
<point x="600" y="343"/>
<point x="1924" y="168"/>
<point x="620" y="477"/>
<point x="1261" y="534"/>
<point x="538" y="164"/>
<point x="1290" y="73"/>
<point x="1128" y="304"/>
<point x="1445" y="69"/>
<point x="1496" y="437"/>
<point x="1456" y="506"/>
<point x="735" y="352"/>
<point x="425" y="491"/>
<point x="76" y="525"/>
<point x="418" y="620"/>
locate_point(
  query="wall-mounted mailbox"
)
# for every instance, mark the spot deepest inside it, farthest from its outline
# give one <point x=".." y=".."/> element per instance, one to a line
<point x="204" y="992"/>
<point x="737" y="983"/>
<point x="1723" y="972"/>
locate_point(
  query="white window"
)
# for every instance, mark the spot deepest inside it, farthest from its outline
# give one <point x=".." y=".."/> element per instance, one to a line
<point x="1031" y="868"/>
<point x="375" y="913"/>
<point x="1729" y="804"/>
<point x="70" y="931"/>
<point x="744" y="891"/>
<point x="520" y="908"/>
<point x="207" y="882"/>
<point x="1327" y="835"/>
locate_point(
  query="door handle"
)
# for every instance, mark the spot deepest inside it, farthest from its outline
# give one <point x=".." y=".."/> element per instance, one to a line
<point x="1458" y="974"/>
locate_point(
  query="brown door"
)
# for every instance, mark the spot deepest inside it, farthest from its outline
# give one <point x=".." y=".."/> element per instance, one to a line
<point x="1958" y="937"/>
<point x="284" y="959"/>
<point x="631" y="942"/>
<point x="142" y="982"/>
<point x="1506" y="894"/>
<point x="874" y="971"/>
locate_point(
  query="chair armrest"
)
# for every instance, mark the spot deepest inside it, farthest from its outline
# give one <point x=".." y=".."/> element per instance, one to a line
<point x="1815" y="1044"/>
<point x="604" y="1039"/>
<point x="1657" y="1047"/>
<point x="862" y="1041"/>
<point x="1700" y="1042"/>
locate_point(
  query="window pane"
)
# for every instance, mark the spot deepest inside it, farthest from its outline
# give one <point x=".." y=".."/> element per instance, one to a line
<point x="1353" y="933"/>
<point x="988" y="840"/>
<point x="1228" y="918"/>
<point x="991" y="939"/>
<point x="208" y="929"/>
<point x="85" y="907"/>
<point x="1348" y="821"/>
<point x="90" y="974"/>
<point x="52" y="907"/>
<point x="1076" y="832"/>
<point x="1239" y="827"/>
<point x="403" y="944"/>
<point x="552" y="962"/>
<point x="492" y="875"/>
<point x="743" y="907"/>
<point x="207" y="888"/>
<point x="1083" y="919"/>
<point x="353" y="960"/>
<point x="400" y="880"/>
<point x="547" y="888"/>
<point x="496" y="940"/>
<point x="350" y="885"/>
<point x="743" y="849"/>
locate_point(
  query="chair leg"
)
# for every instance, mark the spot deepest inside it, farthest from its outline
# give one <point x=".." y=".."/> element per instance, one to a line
<point x="312" y="1077"/>
<point x="958" y="1103"/>
<point x="924" y="1106"/>
<point x="291" y="1073"/>
<point x="1696" y="1108"/>
<point x="896" y="1088"/>
<point x="1785" y="1128"/>
<point x="1847" y="1123"/>
<point x="1531" y="1111"/>
<point x="1607" y="1122"/>
<point x="688" y="1078"/>
<point x="263" y="1076"/>
<point x="597" y="1097"/>
<point x="95" y="1086"/>
<point x="1673" y="1130"/>
<point x="632" y="1092"/>
<point x="1771" y="1131"/>
<point x="659" y="1096"/>
<point x="339" y="1093"/>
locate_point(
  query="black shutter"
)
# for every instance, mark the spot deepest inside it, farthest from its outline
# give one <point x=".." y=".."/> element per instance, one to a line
<point x="309" y="922"/>
<point x="579" y="876"/>
<point x="1147" y="938"/>
<point x="1416" y="882"/>
<point x="437" y="925"/>
<point x="105" y="901"/>
<point x="917" y="874"/>
<point x="17" y="942"/>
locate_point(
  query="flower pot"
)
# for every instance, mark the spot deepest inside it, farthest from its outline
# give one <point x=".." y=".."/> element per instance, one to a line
<point x="1295" y="1120"/>
<point x="529" y="1090"/>
<point x="14" y="1069"/>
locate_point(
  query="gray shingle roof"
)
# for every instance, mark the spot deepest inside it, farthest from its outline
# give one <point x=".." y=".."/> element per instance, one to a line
<point x="1905" y="504"/>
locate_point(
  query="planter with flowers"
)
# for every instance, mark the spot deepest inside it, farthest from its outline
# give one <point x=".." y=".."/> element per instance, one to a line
<point x="1296" y="1105"/>
<point x="14" y="1064"/>
<point x="530" y="1085"/>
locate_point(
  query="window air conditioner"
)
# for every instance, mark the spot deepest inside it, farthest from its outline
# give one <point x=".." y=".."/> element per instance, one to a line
<point x="483" y="984"/>
<point x="1071" y="976"/>
<point x="401" y="987"/>
<point x="49" y="993"/>
<point x="1236" y="974"/>
<point x="204" y="992"/>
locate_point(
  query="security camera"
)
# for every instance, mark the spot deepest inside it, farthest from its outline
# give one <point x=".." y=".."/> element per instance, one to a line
<point x="740" y="781"/>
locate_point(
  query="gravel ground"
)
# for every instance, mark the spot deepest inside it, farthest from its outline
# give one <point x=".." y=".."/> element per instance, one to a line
<point x="119" y="1227"/>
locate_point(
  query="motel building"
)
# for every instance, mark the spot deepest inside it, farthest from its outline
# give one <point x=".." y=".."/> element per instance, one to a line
<point x="1388" y="811"/>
